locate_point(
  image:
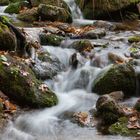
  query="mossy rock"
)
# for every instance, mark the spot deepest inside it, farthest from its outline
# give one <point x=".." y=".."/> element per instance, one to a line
<point x="4" y="2"/>
<point x="120" y="128"/>
<point x="8" y="40"/>
<point x="29" y="15"/>
<point x="110" y="9"/>
<point x="95" y="33"/>
<point x="133" y="39"/>
<point x="108" y="109"/>
<point x="82" y="45"/>
<point x="50" y="39"/>
<point x="23" y="87"/>
<point x="15" y="7"/>
<point x="60" y="3"/>
<point x="54" y="13"/>
<point x="118" y="77"/>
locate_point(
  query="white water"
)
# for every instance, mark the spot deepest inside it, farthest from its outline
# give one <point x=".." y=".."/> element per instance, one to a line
<point x="73" y="92"/>
<point x="76" y="12"/>
<point x="54" y="123"/>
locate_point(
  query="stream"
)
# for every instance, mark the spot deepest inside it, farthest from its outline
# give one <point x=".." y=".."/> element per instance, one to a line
<point x="72" y="89"/>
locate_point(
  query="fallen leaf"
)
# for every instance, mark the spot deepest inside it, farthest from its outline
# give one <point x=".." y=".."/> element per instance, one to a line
<point x="133" y="125"/>
<point x="9" y="106"/>
<point x="133" y="118"/>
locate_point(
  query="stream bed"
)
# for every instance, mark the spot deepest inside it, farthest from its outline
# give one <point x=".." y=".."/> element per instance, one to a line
<point x="73" y="91"/>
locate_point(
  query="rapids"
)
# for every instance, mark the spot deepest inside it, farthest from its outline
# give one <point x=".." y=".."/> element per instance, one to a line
<point x="54" y="123"/>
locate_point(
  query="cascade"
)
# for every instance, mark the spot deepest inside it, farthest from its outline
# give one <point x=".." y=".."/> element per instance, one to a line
<point x="76" y="12"/>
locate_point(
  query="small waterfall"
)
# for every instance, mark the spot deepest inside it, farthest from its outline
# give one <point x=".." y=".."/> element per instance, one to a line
<point x="76" y="12"/>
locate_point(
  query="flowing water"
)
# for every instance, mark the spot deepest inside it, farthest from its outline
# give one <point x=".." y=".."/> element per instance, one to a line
<point x="74" y="93"/>
<point x="54" y="123"/>
<point x="76" y="12"/>
<point x="73" y="89"/>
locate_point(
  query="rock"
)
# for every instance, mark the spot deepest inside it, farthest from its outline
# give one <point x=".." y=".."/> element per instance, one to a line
<point x="137" y="105"/>
<point x="47" y="67"/>
<point x="116" y="77"/>
<point x="104" y="24"/>
<point x="116" y="58"/>
<point x="135" y="55"/>
<point x="110" y="9"/>
<point x="133" y="39"/>
<point x="81" y="45"/>
<point x="50" y="39"/>
<point x="54" y="13"/>
<point x="95" y="34"/>
<point x="117" y="95"/>
<point x="4" y="2"/>
<point x="15" y="7"/>
<point x="135" y="51"/>
<point x="108" y="110"/>
<point x="120" y="128"/>
<point x="29" y="15"/>
<point x="23" y="87"/>
<point x="8" y="40"/>
<point x="60" y="3"/>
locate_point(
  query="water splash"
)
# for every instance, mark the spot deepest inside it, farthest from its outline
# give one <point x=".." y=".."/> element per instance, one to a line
<point x="76" y="12"/>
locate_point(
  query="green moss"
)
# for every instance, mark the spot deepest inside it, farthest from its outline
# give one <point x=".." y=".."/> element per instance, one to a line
<point x="120" y="128"/>
<point x="118" y="77"/>
<point x="24" y="89"/>
<point x="108" y="110"/>
<point x="7" y="39"/>
<point x="51" y="39"/>
<point x="133" y="39"/>
<point x="3" y="27"/>
<point x="13" y="8"/>
<point x="82" y="45"/>
<point x="54" y="13"/>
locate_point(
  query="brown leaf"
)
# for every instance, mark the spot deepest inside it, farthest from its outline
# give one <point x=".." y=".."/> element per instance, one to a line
<point x="133" y="118"/>
<point x="133" y="125"/>
<point x="9" y="106"/>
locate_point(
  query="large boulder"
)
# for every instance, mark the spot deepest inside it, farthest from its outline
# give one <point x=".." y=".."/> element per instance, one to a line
<point x="54" y="13"/>
<point x="109" y="9"/>
<point x="29" y="15"/>
<point x="8" y="40"/>
<point x="19" y="83"/>
<point x="116" y="77"/>
<point x="108" y="110"/>
<point x="47" y="66"/>
<point x="58" y="3"/>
